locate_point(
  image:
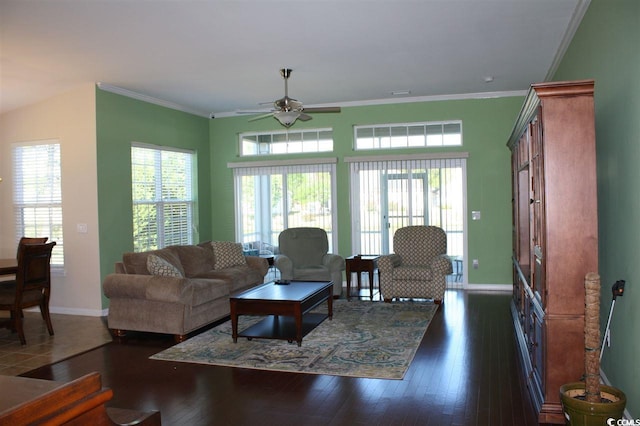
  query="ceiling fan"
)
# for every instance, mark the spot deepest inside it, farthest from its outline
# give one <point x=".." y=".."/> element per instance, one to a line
<point x="287" y="110"/>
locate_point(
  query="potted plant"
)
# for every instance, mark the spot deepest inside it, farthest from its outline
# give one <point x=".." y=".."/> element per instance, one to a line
<point x="590" y="402"/>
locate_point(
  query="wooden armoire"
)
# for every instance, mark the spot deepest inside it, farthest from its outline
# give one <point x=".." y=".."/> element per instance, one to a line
<point x="555" y="235"/>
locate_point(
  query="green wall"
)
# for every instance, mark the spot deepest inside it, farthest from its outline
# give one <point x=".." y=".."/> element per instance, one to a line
<point x="121" y="121"/>
<point x="605" y="48"/>
<point x="487" y="123"/>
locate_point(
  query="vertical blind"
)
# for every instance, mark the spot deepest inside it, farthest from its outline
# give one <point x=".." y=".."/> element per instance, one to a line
<point x="163" y="197"/>
<point x="38" y="194"/>
<point x="271" y="198"/>
<point x="389" y="194"/>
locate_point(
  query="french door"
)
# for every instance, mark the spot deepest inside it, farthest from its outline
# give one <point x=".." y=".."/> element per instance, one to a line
<point x="390" y="194"/>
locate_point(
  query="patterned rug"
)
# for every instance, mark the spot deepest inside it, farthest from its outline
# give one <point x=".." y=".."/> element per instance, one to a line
<point x="364" y="339"/>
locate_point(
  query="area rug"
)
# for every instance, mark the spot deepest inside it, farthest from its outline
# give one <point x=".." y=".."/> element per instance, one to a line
<point x="364" y="339"/>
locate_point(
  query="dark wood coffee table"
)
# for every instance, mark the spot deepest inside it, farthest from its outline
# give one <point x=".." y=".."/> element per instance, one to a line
<point x="286" y="306"/>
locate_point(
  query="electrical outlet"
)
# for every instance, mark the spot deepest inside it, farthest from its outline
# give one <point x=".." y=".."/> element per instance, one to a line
<point x="475" y="264"/>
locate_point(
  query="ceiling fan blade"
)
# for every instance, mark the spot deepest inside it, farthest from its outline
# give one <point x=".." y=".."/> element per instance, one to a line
<point x="252" y="112"/>
<point x="322" y="109"/>
<point x="260" y="117"/>
<point x="287" y="110"/>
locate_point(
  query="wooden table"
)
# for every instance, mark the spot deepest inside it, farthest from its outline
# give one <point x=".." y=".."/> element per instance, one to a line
<point x="358" y="264"/>
<point x="8" y="266"/>
<point x="82" y="401"/>
<point x="14" y="391"/>
<point x="286" y="307"/>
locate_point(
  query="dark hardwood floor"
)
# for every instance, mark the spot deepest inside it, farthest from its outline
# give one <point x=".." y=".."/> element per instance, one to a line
<point x="465" y="372"/>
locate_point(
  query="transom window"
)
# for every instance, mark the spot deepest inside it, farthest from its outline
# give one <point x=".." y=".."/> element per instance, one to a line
<point x="286" y="142"/>
<point x="163" y="196"/>
<point x="411" y="135"/>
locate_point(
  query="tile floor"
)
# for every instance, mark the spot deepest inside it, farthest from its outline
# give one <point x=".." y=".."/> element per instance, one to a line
<point x="74" y="334"/>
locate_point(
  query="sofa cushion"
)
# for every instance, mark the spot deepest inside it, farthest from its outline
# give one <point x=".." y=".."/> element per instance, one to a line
<point x="136" y="263"/>
<point x="237" y="277"/>
<point x="227" y="254"/>
<point x="195" y="260"/>
<point x="158" y="266"/>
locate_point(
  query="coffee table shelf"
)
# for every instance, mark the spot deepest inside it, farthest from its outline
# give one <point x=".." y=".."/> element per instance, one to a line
<point x="281" y="327"/>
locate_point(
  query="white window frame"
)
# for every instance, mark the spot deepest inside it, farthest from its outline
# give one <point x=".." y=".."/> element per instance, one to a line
<point x="266" y="234"/>
<point x="37" y="194"/>
<point x="286" y="142"/>
<point x="423" y="134"/>
<point x="161" y="200"/>
<point x="457" y="238"/>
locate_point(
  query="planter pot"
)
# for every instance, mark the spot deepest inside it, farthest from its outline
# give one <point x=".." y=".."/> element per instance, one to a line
<point x="579" y="412"/>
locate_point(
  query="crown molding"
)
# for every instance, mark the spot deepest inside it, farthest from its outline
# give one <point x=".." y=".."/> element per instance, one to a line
<point x="574" y="23"/>
<point x="389" y="101"/>
<point x="150" y="99"/>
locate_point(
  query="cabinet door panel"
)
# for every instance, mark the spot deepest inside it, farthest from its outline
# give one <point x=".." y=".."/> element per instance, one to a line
<point x="537" y="208"/>
<point x="537" y="352"/>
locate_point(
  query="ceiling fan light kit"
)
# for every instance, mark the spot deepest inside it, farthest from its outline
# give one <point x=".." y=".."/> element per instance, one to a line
<point x="287" y="110"/>
<point x="286" y="118"/>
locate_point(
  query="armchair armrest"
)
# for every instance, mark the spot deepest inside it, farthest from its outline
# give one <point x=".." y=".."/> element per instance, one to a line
<point x="389" y="261"/>
<point x="442" y="265"/>
<point x="148" y="287"/>
<point x="334" y="262"/>
<point x="285" y="266"/>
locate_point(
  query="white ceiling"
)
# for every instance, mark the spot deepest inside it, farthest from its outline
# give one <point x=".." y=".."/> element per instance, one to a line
<point x="219" y="56"/>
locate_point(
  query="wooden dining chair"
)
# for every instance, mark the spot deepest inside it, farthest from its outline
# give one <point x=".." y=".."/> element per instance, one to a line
<point x="32" y="286"/>
<point x="30" y="240"/>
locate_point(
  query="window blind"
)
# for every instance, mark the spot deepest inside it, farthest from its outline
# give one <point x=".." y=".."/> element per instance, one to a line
<point x="392" y="193"/>
<point x="163" y="197"/>
<point x="38" y="194"/>
<point x="274" y="197"/>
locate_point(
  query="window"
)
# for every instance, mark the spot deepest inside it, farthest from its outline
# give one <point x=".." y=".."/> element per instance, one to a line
<point x="163" y="196"/>
<point x="413" y="135"/>
<point x="271" y="198"/>
<point x="387" y="194"/>
<point x="286" y="142"/>
<point x="38" y="194"/>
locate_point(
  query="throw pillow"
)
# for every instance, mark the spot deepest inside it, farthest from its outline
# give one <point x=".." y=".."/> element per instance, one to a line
<point x="158" y="266"/>
<point x="227" y="254"/>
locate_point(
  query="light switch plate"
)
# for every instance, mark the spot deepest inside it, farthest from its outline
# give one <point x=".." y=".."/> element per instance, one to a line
<point x="475" y="215"/>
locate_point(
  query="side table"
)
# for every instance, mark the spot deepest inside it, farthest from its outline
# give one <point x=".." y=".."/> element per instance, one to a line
<point x="358" y="264"/>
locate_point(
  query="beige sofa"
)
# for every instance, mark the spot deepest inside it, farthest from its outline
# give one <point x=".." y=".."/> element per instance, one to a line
<point x="178" y="289"/>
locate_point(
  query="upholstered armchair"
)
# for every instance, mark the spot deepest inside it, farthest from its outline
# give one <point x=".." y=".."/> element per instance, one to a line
<point x="419" y="265"/>
<point x="304" y="256"/>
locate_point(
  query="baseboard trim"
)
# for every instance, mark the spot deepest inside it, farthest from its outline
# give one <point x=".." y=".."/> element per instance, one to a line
<point x="505" y="288"/>
<point x="74" y="311"/>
